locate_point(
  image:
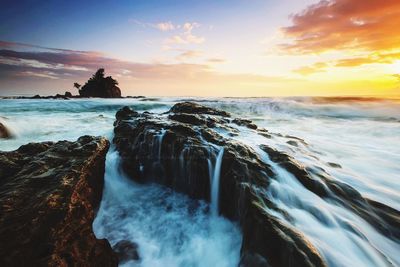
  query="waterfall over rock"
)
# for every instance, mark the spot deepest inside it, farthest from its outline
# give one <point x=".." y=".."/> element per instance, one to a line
<point x="216" y="171"/>
<point x="197" y="160"/>
<point x="306" y="190"/>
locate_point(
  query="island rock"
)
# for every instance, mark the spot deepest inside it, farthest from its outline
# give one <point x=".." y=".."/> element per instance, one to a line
<point x="100" y="86"/>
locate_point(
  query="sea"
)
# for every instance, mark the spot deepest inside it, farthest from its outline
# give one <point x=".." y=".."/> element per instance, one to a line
<point x="354" y="139"/>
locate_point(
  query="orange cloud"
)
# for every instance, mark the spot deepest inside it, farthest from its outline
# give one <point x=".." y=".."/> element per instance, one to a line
<point x="385" y="58"/>
<point x="363" y="25"/>
<point x="374" y="58"/>
<point x="307" y="70"/>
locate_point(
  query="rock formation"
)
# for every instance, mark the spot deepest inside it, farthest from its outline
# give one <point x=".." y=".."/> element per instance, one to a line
<point x="179" y="149"/>
<point x="49" y="195"/>
<point x="4" y="132"/>
<point x="100" y="86"/>
<point x="68" y="94"/>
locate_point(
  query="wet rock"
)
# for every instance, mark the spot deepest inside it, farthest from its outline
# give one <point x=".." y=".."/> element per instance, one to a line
<point x="278" y="243"/>
<point x="292" y="143"/>
<point x="264" y="132"/>
<point x="68" y="94"/>
<point x="193" y="108"/>
<point x="384" y="218"/>
<point x="334" y="165"/>
<point x="49" y="195"/>
<point x="125" y="113"/>
<point x="5" y="132"/>
<point x="58" y="96"/>
<point x="188" y="118"/>
<point x="297" y="139"/>
<point x="126" y="251"/>
<point x="246" y="123"/>
<point x="253" y="260"/>
<point x="179" y="149"/>
<point x="136" y="97"/>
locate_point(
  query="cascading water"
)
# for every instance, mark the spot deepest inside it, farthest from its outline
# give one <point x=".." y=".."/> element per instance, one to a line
<point x="159" y="142"/>
<point x="341" y="236"/>
<point x="172" y="230"/>
<point x="169" y="228"/>
<point x="215" y="172"/>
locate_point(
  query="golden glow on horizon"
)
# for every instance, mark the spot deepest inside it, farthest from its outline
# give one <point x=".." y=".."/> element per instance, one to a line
<point x="395" y="67"/>
<point x="335" y="47"/>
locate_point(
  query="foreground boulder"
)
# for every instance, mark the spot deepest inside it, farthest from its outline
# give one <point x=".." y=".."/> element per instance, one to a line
<point x="183" y="149"/>
<point x="49" y="193"/>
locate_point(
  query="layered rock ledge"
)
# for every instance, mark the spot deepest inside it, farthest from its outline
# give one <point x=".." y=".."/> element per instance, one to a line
<point x="49" y="193"/>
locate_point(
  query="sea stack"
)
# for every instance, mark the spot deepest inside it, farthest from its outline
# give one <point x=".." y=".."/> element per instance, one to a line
<point x="100" y="86"/>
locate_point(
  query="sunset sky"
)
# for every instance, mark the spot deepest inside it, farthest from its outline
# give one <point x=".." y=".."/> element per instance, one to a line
<point x="203" y="48"/>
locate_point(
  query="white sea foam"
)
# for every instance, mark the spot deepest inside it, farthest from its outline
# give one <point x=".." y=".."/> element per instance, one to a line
<point x="342" y="237"/>
<point x="172" y="230"/>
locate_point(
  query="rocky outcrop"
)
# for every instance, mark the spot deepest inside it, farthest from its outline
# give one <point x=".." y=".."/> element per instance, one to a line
<point x="100" y="86"/>
<point x="49" y="193"/>
<point x="384" y="218"/>
<point x="180" y="149"/>
<point x="5" y="132"/>
<point x="68" y="94"/>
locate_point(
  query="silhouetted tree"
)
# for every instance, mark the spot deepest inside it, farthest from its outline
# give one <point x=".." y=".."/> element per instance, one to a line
<point x="77" y="85"/>
<point x="100" y="86"/>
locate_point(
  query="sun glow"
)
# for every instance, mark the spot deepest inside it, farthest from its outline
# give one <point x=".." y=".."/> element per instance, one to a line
<point x="395" y="67"/>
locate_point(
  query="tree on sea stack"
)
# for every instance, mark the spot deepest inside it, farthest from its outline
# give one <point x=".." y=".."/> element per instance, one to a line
<point x="77" y="85"/>
<point x="100" y="86"/>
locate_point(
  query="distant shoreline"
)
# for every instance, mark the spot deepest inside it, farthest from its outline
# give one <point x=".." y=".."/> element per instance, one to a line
<point x="64" y="97"/>
<point x="317" y="99"/>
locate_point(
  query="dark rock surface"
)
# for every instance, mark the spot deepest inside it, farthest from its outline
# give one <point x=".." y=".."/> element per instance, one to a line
<point x="5" y="132"/>
<point x="57" y="96"/>
<point x="179" y="149"/>
<point x="100" y="86"/>
<point x="49" y="193"/>
<point x="384" y="218"/>
<point x="126" y="251"/>
<point x="68" y="94"/>
<point x="193" y="108"/>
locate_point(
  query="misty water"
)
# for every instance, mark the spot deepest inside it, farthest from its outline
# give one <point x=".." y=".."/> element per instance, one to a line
<point x="354" y="141"/>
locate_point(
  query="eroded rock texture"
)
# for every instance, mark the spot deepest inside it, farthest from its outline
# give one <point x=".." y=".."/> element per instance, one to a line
<point x="48" y="196"/>
<point x="179" y="149"/>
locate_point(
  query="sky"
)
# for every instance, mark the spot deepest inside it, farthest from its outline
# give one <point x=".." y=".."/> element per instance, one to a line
<point x="238" y="48"/>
